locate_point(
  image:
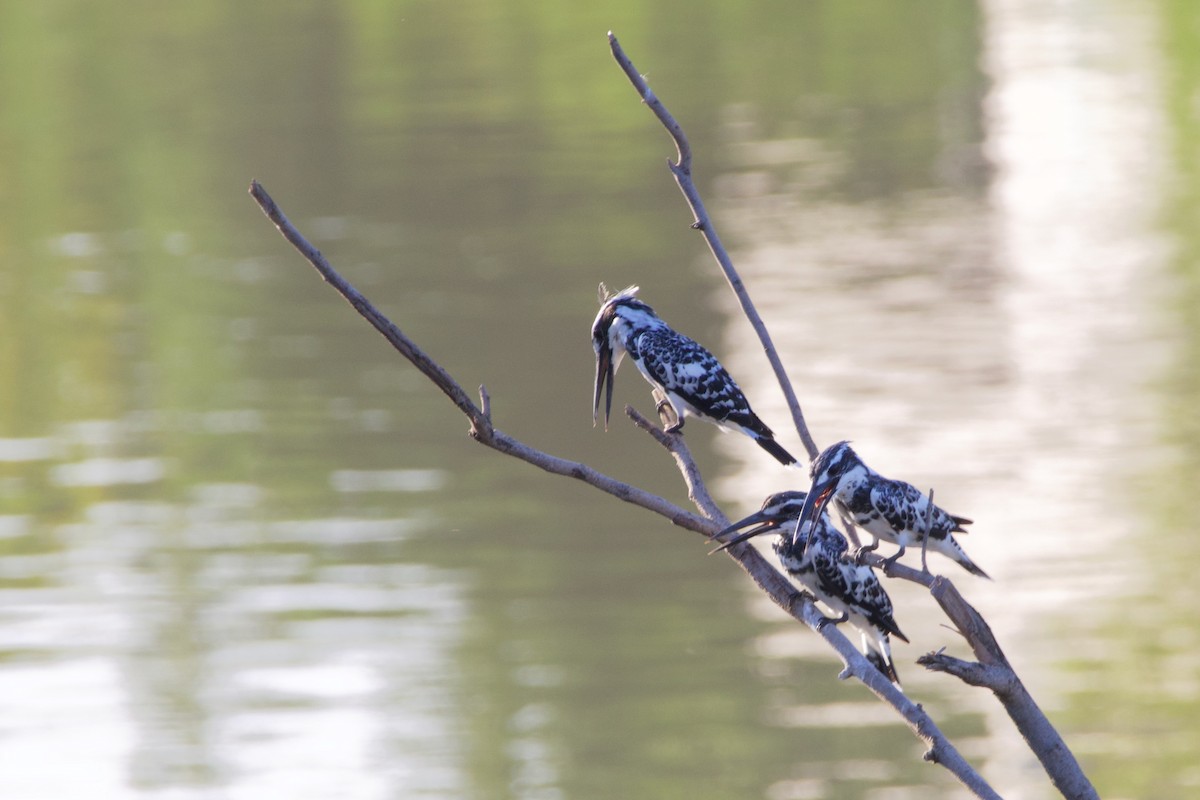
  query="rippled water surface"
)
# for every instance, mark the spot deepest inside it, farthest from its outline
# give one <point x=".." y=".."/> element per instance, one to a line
<point x="247" y="551"/>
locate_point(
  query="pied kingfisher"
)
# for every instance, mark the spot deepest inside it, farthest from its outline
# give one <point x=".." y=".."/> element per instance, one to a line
<point x="684" y="375"/>
<point x="819" y="562"/>
<point x="894" y="511"/>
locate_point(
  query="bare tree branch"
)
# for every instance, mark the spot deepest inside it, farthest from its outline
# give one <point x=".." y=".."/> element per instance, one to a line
<point x="971" y="672"/>
<point x="482" y="429"/>
<point x="479" y="422"/>
<point x="994" y="671"/>
<point x="776" y="586"/>
<point x="681" y="168"/>
<point x="697" y="491"/>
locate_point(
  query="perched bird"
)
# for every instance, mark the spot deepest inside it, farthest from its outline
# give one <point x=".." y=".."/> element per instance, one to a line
<point x="819" y="562"/>
<point x="686" y="378"/>
<point x="894" y="511"/>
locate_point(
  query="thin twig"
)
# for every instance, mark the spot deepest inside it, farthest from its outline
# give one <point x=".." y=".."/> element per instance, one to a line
<point x="485" y="403"/>
<point x="971" y="672"/>
<point x="406" y="346"/>
<point x="681" y="168"/>
<point x="677" y="447"/>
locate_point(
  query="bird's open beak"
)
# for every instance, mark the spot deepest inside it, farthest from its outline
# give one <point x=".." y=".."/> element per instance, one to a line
<point x="818" y="497"/>
<point x="764" y="522"/>
<point x="604" y="378"/>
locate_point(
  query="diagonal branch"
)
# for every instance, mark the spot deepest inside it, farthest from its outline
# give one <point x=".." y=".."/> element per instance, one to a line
<point x="482" y="429"/>
<point x="673" y="442"/>
<point x="799" y="605"/>
<point x="993" y="671"/>
<point x="407" y="348"/>
<point x="681" y="168"/>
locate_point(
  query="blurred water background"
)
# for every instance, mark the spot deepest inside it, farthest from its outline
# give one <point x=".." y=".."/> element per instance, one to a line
<point x="246" y="551"/>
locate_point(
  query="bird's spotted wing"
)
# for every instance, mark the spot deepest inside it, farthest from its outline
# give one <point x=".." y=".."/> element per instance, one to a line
<point x="859" y="588"/>
<point x="685" y="368"/>
<point x="905" y="508"/>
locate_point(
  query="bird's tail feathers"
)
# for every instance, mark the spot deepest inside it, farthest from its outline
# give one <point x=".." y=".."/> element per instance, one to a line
<point x="776" y="450"/>
<point x="954" y="550"/>
<point x="971" y="567"/>
<point x="879" y="652"/>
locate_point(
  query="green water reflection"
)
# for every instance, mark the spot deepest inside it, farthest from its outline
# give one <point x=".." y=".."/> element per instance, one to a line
<point x="247" y="551"/>
<point x="1137" y="703"/>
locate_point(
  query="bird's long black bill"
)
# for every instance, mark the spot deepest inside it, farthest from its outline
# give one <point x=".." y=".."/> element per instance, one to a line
<point x="604" y="378"/>
<point x="814" y="505"/>
<point x="743" y="537"/>
<point x="763" y="523"/>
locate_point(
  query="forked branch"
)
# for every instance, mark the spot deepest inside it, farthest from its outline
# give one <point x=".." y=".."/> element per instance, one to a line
<point x="778" y="588"/>
<point x="994" y="670"/>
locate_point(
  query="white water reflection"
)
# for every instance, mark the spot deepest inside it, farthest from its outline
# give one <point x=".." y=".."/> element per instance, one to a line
<point x="195" y="651"/>
<point x="109" y="471"/>
<point x="1001" y="348"/>
<point x="312" y="715"/>
<point x="65" y="708"/>
<point x="390" y="480"/>
<point x="35" y="449"/>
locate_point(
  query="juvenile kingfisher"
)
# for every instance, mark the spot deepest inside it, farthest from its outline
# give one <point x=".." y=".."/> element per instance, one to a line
<point x="894" y="511"/>
<point x="819" y="562"/>
<point x="685" y="376"/>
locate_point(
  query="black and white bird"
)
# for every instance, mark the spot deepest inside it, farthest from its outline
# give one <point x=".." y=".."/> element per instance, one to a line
<point x="685" y="376"/>
<point x="819" y="562"/>
<point x="893" y="511"/>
